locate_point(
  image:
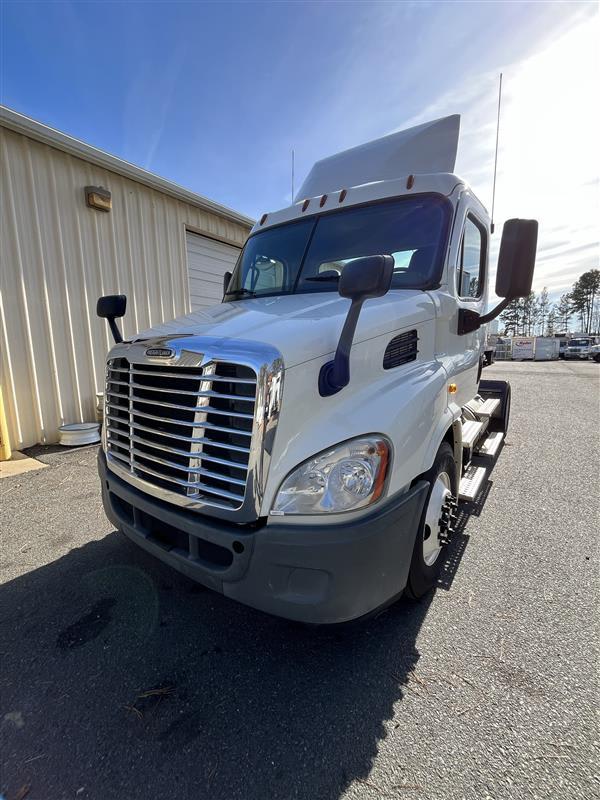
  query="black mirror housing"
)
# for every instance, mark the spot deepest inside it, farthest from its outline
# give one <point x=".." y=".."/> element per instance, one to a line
<point x="226" y="278"/>
<point x="516" y="260"/>
<point x="111" y="307"/>
<point x="366" y="277"/>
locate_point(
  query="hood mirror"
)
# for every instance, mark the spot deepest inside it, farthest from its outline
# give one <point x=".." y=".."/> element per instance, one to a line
<point x="111" y="307"/>
<point x="226" y="278"/>
<point x="361" y="279"/>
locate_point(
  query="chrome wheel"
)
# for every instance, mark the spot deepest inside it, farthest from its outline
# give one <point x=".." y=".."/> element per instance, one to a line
<point x="432" y="530"/>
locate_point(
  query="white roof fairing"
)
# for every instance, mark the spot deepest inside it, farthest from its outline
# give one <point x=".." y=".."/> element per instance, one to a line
<point x="427" y="148"/>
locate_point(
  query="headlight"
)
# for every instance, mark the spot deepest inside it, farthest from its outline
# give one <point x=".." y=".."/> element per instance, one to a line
<point x="346" y="477"/>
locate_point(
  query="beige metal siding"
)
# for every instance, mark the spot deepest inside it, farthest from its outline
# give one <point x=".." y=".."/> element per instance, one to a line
<point x="58" y="257"/>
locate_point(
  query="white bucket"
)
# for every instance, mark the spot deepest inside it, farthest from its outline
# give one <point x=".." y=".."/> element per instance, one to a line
<point x="78" y="433"/>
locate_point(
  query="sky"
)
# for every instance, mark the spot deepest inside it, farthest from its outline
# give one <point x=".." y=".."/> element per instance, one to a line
<point x="215" y="95"/>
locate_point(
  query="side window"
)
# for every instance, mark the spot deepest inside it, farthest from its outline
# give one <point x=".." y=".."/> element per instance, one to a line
<point x="470" y="272"/>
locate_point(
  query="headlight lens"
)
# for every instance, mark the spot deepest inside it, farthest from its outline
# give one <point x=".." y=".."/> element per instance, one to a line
<point x="346" y="477"/>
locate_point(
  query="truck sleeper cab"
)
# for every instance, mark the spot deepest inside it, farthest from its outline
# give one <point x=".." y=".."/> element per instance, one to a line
<point x="302" y="446"/>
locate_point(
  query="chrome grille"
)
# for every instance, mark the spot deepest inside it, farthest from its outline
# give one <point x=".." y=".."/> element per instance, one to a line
<point x="187" y="430"/>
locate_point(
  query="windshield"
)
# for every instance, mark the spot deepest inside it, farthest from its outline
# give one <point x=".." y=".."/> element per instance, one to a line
<point x="579" y="343"/>
<point x="309" y="255"/>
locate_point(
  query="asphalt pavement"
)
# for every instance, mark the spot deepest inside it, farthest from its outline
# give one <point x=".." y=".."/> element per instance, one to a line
<point x="122" y="679"/>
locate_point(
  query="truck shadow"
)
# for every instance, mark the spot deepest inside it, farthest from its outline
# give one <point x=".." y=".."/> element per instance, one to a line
<point x="126" y="679"/>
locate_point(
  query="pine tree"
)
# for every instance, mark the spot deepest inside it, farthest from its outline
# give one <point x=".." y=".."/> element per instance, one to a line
<point x="543" y="308"/>
<point x="529" y="313"/>
<point x="511" y="318"/>
<point x="584" y="297"/>
<point x="564" y="310"/>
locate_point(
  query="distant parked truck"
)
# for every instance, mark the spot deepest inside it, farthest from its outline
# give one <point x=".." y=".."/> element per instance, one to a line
<point x="595" y="353"/>
<point x="580" y="348"/>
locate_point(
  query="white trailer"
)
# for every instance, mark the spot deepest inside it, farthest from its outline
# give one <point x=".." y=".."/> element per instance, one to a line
<point x="547" y="348"/>
<point x="523" y="348"/>
<point x="302" y="446"/>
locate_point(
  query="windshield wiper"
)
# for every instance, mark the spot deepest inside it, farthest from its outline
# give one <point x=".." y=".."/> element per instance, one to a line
<point x="242" y="292"/>
<point x="323" y="277"/>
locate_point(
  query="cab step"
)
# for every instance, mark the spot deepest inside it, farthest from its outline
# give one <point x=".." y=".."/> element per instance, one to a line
<point x="471" y="482"/>
<point x="471" y="429"/>
<point x="490" y="445"/>
<point x="488" y="408"/>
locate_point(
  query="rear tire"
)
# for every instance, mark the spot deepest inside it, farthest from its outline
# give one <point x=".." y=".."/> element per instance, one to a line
<point x="426" y="563"/>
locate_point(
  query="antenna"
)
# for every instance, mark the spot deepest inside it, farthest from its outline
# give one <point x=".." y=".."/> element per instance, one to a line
<point x="496" y="155"/>
<point x="292" y="175"/>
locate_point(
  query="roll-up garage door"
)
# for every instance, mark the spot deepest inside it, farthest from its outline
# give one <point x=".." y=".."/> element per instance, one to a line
<point x="208" y="261"/>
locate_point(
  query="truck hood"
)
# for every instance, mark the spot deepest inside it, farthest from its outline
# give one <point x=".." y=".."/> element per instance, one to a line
<point x="301" y="326"/>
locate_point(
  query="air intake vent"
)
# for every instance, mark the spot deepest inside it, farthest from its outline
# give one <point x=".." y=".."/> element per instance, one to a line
<point x="401" y="350"/>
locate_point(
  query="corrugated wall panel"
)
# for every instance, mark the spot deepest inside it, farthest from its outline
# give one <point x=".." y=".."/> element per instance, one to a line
<point x="58" y="257"/>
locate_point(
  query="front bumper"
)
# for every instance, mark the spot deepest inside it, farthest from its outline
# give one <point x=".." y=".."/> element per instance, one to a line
<point x="580" y="356"/>
<point x="315" y="573"/>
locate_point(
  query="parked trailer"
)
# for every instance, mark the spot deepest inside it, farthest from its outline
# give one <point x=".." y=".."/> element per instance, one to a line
<point x="302" y="446"/>
<point x="523" y="348"/>
<point x="546" y="349"/>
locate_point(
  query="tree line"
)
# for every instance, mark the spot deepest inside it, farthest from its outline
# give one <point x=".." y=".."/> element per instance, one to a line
<point x="537" y="316"/>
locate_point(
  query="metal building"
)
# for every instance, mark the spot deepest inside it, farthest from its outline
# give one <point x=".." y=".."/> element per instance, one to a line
<point x="166" y="248"/>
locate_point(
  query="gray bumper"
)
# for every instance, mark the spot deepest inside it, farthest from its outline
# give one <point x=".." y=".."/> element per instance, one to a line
<point x="310" y="573"/>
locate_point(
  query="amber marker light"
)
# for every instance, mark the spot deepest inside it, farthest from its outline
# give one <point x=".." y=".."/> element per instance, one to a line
<point x="452" y="388"/>
<point x="384" y="454"/>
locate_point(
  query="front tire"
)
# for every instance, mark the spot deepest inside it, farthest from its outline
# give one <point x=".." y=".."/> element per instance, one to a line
<point x="426" y="559"/>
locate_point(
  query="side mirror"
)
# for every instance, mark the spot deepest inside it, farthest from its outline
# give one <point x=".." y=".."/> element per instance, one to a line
<point x="111" y="307"/>
<point x="516" y="263"/>
<point x="361" y="279"/>
<point x="226" y="279"/>
<point x="516" y="260"/>
<point x="366" y="277"/>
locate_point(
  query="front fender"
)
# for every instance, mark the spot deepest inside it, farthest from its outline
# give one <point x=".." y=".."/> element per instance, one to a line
<point x="408" y="405"/>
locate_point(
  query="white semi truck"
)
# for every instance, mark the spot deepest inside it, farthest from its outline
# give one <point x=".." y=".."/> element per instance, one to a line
<point x="580" y="348"/>
<point x="302" y="446"/>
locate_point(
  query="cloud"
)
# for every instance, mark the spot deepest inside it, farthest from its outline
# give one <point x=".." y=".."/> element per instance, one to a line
<point x="550" y="125"/>
<point x="548" y="155"/>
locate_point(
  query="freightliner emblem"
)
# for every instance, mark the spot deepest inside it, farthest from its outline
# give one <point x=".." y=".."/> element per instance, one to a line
<point x="160" y="352"/>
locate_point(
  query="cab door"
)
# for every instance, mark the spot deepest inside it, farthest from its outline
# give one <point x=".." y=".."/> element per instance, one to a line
<point x="467" y="288"/>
